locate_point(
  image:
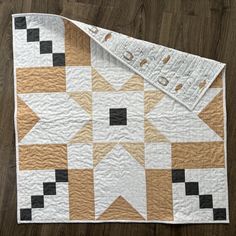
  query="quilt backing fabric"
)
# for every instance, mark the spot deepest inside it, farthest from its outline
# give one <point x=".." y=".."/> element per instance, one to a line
<point x="111" y="128"/>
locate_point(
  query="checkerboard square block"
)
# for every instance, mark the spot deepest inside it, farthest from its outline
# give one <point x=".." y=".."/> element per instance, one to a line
<point x="191" y="188"/>
<point x="25" y="214"/>
<point x="20" y="23"/>
<point x="45" y="47"/>
<point x="32" y="35"/>
<point x="37" y="201"/>
<point x="178" y="176"/>
<point x="219" y="214"/>
<point x="206" y="201"/>
<point x="58" y="59"/>
<point x="158" y="155"/>
<point x="49" y="188"/>
<point x="61" y="176"/>
<point x="118" y="116"/>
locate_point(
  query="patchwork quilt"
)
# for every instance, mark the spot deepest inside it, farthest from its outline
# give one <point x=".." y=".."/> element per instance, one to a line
<point x="112" y="128"/>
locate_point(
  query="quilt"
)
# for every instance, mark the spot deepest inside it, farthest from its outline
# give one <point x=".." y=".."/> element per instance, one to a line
<point x="110" y="128"/>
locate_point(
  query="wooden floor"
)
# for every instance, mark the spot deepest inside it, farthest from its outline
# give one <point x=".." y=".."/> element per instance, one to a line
<point x="203" y="27"/>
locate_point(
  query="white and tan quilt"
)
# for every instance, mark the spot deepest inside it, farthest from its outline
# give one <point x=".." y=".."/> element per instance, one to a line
<point x="112" y="128"/>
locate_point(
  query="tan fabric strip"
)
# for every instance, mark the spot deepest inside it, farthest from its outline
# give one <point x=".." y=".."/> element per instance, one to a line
<point x="40" y="80"/>
<point x="41" y="157"/>
<point x="81" y="194"/>
<point x="159" y="195"/>
<point x="198" y="155"/>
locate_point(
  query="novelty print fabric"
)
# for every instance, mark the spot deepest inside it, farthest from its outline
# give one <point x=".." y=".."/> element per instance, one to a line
<point x="98" y="142"/>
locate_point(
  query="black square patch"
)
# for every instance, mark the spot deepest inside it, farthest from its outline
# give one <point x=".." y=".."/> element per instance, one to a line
<point x="61" y="175"/>
<point x="206" y="201"/>
<point x="219" y="214"/>
<point x="49" y="188"/>
<point x="45" y="47"/>
<point x="191" y="188"/>
<point x="118" y="116"/>
<point x="32" y="35"/>
<point x="37" y="201"/>
<point x="20" y="23"/>
<point x="58" y="59"/>
<point x="25" y="214"/>
<point x="178" y="176"/>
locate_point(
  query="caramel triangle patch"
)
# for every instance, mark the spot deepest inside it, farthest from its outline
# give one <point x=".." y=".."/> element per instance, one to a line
<point x="99" y="84"/>
<point x="152" y="134"/>
<point x="100" y="151"/>
<point x="151" y="98"/>
<point x="213" y="115"/>
<point x="218" y="83"/>
<point x="84" y="135"/>
<point x="135" y="83"/>
<point x="136" y="150"/>
<point x="84" y="99"/>
<point x="26" y="118"/>
<point x="120" y="209"/>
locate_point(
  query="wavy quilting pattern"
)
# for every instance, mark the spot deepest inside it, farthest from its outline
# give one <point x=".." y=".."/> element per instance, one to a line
<point x="111" y="128"/>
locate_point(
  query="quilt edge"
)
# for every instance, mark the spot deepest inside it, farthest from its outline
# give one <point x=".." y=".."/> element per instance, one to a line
<point x="15" y="121"/>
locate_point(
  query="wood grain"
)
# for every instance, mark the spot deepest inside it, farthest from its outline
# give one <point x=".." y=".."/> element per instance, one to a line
<point x="203" y="27"/>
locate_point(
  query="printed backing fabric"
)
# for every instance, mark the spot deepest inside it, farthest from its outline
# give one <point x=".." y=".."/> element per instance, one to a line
<point x="114" y="129"/>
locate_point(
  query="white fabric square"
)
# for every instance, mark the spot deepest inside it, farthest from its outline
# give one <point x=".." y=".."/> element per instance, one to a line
<point x="80" y="156"/>
<point x="158" y="155"/>
<point x="133" y="131"/>
<point x="78" y="78"/>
